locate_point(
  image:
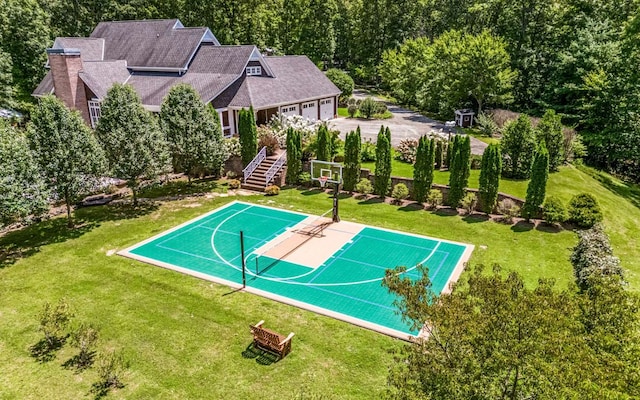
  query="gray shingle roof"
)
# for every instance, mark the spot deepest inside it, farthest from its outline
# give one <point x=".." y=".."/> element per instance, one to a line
<point x="99" y="76"/>
<point x="297" y="79"/>
<point x="91" y="49"/>
<point x="211" y="71"/>
<point x="45" y="87"/>
<point x="152" y="44"/>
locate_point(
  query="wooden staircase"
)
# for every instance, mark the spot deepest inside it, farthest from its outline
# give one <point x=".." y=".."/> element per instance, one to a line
<point x="257" y="180"/>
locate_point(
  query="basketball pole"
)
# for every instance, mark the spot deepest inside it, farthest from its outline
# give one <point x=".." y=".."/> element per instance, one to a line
<point x="336" y="216"/>
<point x="244" y="274"/>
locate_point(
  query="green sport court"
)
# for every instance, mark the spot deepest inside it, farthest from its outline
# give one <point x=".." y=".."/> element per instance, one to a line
<point x="335" y="269"/>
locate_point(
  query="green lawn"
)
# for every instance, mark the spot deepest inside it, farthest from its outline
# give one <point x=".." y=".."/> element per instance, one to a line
<point x="186" y="338"/>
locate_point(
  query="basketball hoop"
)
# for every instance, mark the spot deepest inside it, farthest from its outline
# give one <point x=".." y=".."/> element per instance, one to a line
<point x="323" y="181"/>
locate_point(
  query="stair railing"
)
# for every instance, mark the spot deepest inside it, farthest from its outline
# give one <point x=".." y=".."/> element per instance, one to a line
<point x="251" y="167"/>
<point x="275" y="168"/>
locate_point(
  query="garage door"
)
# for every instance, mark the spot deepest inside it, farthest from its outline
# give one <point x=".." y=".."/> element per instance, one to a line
<point x="326" y="108"/>
<point x="289" y="110"/>
<point x="310" y="110"/>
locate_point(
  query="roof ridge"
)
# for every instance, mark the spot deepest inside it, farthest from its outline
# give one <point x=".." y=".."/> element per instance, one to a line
<point x="139" y="20"/>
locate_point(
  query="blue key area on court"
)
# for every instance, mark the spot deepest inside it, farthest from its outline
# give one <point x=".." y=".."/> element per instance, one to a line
<point x="348" y="282"/>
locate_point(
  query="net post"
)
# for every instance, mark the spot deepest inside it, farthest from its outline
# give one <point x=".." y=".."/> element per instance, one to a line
<point x="244" y="274"/>
<point x="336" y="216"/>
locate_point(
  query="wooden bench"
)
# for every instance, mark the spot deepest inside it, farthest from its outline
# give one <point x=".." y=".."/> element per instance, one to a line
<point x="271" y="341"/>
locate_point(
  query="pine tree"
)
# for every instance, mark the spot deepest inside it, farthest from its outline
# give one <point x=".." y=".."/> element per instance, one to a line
<point x="193" y="132"/>
<point x="490" y="177"/>
<point x="248" y="135"/>
<point x="549" y="131"/>
<point x="537" y="188"/>
<point x="323" y="152"/>
<point x="352" y="149"/>
<point x="131" y="138"/>
<point x="294" y="156"/>
<point x="66" y="151"/>
<point x="438" y="154"/>
<point x="383" y="164"/>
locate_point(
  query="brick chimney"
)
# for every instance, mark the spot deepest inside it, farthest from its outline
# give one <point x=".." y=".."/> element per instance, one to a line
<point x="65" y="65"/>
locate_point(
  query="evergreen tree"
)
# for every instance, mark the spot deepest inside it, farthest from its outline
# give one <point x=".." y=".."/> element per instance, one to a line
<point x="423" y="169"/>
<point x="294" y="156"/>
<point x="537" y="188"/>
<point x="66" y="151"/>
<point x="323" y="153"/>
<point x="352" y="149"/>
<point x="248" y="135"/>
<point x="549" y="131"/>
<point x="22" y="189"/>
<point x="6" y="80"/>
<point x="490" y="177"/>
<point x="131" y="138"/>
<point x="383" y="164"/>
<point x="449" y="152"/>
<point x="438" y="154"/>
<point x="459" y="170"/>
<point x="193" y="132"/>
<point x="518" y="148"/>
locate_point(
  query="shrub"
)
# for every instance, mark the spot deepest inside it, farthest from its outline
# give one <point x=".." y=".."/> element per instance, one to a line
<point x="554" y="211"/>
<point x="272" y="190"/>
<point x="305" y="179"/>
<point x="232" y="147"/>
<point x="468" y="202"/>
<point x="486" y="124"/>
<point x="434" y="198"/>
<point x="368" y="107"/>
<point x="352" y="110"/>
<point x="593" y="256"/>
<point x="368" y="151"/>
<point x="364" y="187"/>
<point x="584" y="210"/>
<point x="111" y="367"/>
<point x="268" y="140"/>
<point x="234" y="184"/>
<point x="406" y="150"/>
<point x="342" y="80"/>
<point x="84" y="339"/>
<point x="509" y="209"/>
<point x="54" y="321"/>
<point x="400" y="192"/>
<point x="476" y="161"/>
<point x="381" y="108"/>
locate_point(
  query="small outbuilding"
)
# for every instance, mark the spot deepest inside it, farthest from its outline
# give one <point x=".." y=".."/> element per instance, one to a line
<point x="464" y="118"/>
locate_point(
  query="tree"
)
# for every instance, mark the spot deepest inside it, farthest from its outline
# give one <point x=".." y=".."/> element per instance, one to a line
<point x="66" y="151"/>
<point x="343" y="81"/>
<point x="495" y="337"/>
<point x="490" y="170"/>
<point x="294" y="156"/>
<point x="54" y="321"/>
<point x="131" y="138"/>
<point x="439" y="153"/>
<point x="549" y="131"/>
<point x="460" y="170"/>
<point x="352" y="148"/>
<point x="84" y="338"/>
<point x="518" y="148"/>
<point x="22" y="189"/>
<point x="317" y="37"/>
<point x="537" y="188"/>
<point x="423" y="169"/>
<point x="383" y="164"/>
<point x="6" y="80"/>
<point x="248" y="135"/>
<point x="368" y="107"/>
<point x="193" y="132"/>
<point x="593" y="255"/>
<point x="323" y="151"/>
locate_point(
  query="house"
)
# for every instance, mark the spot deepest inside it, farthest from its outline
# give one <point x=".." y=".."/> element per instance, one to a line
<point x="155" y="55"/>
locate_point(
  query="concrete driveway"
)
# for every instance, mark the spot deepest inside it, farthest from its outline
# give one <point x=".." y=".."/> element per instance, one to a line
<point x="405" y="124"/>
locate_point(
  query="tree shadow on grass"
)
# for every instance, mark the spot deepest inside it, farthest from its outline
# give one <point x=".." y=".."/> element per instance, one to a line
<point x="412" y="207"/>
<point x="446" y="212"/>
<point x="475" y="218"/>
<point x="79" y="363"/>
<point x="371" y="200"/>
<point x="630" y="192"/>
<point x="101" y="389"/>
<point x="45" y="351"/>
<point x="262" y="357"/>
<point x="311" y="192"/>
<point x="522" y="226"/>
<point x="548" y="228"/>
<point x="26" y="242"/>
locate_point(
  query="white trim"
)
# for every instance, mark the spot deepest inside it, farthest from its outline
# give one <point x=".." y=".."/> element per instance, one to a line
<point x="220" y="111"/>
<point x="254" y="70"/>
<point x="287" y="103"/>
<point x="151" y="108"/>
<point x="257" y="56"/>
<point x="94" y="112"/>
<point x="158" y="69"/>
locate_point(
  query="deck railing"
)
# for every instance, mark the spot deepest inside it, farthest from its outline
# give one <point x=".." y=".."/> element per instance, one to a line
<point x="251" y="167"/>
<point x="275" y="168"/>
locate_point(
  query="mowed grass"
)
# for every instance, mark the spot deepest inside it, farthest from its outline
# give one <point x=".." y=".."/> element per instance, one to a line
<point x="187" y="338"/>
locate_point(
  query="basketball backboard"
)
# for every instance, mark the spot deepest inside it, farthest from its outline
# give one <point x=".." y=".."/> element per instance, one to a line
<point x="331" y="170"/>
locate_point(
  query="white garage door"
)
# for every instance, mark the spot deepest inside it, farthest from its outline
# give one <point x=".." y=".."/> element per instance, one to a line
<point x="326" y="108"/>
<point x="289" y="110"/>
<point x="310" y="110"/>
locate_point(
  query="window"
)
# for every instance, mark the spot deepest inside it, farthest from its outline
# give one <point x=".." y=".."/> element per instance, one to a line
<point x="94" y="112"/>
<point x="309" y="105"/>
<point x="254" y="70"/>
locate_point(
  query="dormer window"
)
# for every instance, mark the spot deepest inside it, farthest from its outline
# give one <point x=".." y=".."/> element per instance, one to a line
<point x="254" y="71"/>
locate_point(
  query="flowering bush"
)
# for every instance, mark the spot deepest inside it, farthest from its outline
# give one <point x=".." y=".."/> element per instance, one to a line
<point x="280" y="123"/>
<point x="267" y="138"/>
<point x="232" y="147"/>
<point x="406" y="150"/>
